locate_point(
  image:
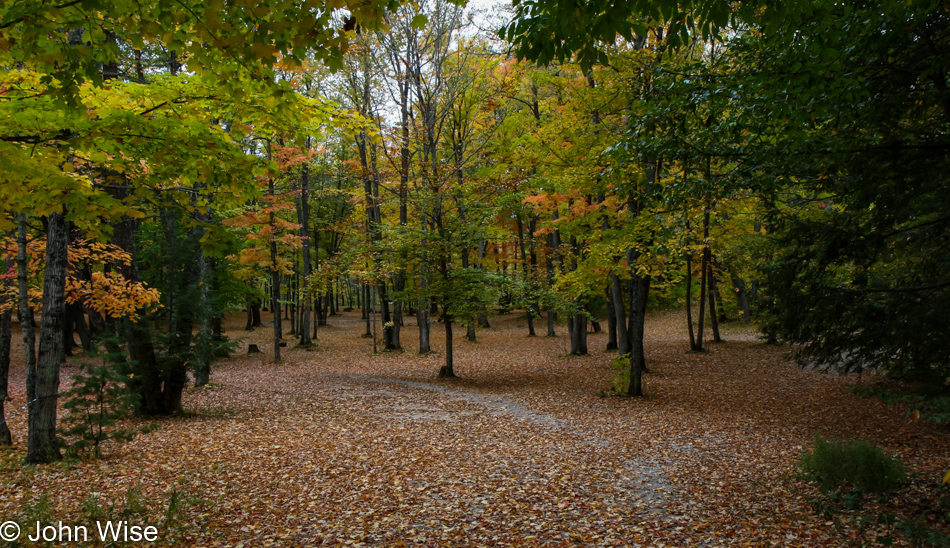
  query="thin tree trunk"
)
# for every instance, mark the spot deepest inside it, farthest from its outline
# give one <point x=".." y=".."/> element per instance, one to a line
<point x="526" y="275"/>
<point x="274" y="273"/>
<point x="689" y="302"/>
<point x="638" y="309"/>
<point x="85" y="337"/>
<point x="713" y="316"/>
<point x="42" y="445"/>
<point x="739" y="285"/>
<point x="6" y="340"/>
<point x="620" y="311"/>
<point x="611" y="321"/>
<point x="704" y="268"/>
<point x="448" y="370"/>
<point x="578" y="334"/>
<point x="304" y="209"/>
<point x="422" y="315"/>
<point x="206" y="316"/>
<point x="26" y="313"/>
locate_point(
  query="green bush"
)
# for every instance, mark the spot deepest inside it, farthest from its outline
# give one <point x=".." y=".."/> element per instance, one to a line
<point x="99" y="397"/>
<point x="855" y="463"/>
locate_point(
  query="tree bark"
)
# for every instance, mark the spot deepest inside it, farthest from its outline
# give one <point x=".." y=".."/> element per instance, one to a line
<point x="42" y="445"/>
<point x="689" y="302"/>
<point x="526" y="276"/>
<point x="739" y="285"/>
<point x="304" y="213"/>
<point x="448" y="370"/>
<point x="25" y="312"/>
<point x="638" y="309"/>
<point x="713" y="316"/>
<point x="6" y="340"/>
<point x="704" y="269"/>
<point x="611" y="321"/>
<point x="620" y="311"/>
<point x="206" y="316"/>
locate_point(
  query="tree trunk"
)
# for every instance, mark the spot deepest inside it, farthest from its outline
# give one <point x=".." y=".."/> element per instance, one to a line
<point x="704" y="268"/>
<point x="42" y="445"/>
<point x="204" y="352"/>
<point x="448" y="370"/>
<point x="369" y="306"/>
<point x="611" y="321"/>
<point x="578" y="329"/>
<point x="526" y="276"/>
<point x="25" y="312"/>
<point x="689" y="302"/>
<point x="422" y="315"/>
<point x="6" y="340"/>
<point x="304" y="214"/>
<point x="638" y="309"/>
<point x="85" y="338"/>
<point x="739" y="285"/>
<point x="620" y="311"/>
<point x="713" y="316"/>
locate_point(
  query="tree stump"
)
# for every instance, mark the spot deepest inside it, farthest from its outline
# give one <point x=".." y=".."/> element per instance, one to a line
<point x="253" y="349"/>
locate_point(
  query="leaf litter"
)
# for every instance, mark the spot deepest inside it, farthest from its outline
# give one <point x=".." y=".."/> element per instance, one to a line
<point x="340" y="446"/>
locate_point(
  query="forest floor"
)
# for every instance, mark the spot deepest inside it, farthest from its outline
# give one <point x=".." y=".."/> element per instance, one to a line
<point x="340" y="446"/>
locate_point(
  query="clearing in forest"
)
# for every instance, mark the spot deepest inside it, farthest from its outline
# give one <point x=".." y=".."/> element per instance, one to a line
<point x="338" y="446"/>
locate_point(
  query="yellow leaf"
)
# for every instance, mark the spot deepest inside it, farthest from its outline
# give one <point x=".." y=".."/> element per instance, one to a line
<point x="946" y="478"/>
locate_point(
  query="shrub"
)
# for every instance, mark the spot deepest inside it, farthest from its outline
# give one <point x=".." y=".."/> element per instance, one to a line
<point x="621" y="377"/>
<point x="99" y="397"/>
<point x="855" y="463"/>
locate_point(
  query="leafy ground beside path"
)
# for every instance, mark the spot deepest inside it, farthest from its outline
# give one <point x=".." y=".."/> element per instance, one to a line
<point x="339" y="446"/>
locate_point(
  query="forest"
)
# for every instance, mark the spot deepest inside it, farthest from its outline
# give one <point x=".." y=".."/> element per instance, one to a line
<point x="538" y="273"/>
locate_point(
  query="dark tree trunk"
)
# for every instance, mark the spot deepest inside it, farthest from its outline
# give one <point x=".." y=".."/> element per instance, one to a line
<point x="364" y="291"/>
<point x="713" y="316"/>
<point x="578" y="329"/>
<point x="526" y="276"/>
<point x="6" y="340"/>
<point x="370" y="306"/>
<point x="249" y="325"/>
<point x="620" y="311"/>
<point x="304" y="218"/>
<point x="638" y="309"/>
<point x="42" y="445"/>
<point x="611" y="321"/>
<point x="720" y="308"/>
<point x="422" y="316"/>
<point x="739" y="285"/>
<point x="256" y="314"/>
<point x="25" y="312"/>
<point x="447" y="371"/>
<point x="704" y="269"/>
<point x="204" y="352"/>
<point x="84" y="335"/>
<point x="148" y="376"/>
<point x="689" y="303"/>
<point x="399" y="283"/>
<point x="69" y="336"/>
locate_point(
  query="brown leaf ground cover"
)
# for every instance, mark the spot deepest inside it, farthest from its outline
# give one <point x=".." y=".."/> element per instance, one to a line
<point x="338" y="446"/>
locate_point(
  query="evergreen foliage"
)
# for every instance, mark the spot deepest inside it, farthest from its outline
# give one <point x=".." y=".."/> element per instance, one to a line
<point x="99" y="398"/>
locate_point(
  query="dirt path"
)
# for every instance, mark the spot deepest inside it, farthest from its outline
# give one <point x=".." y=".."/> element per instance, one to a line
<point x="338" y="446"/>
